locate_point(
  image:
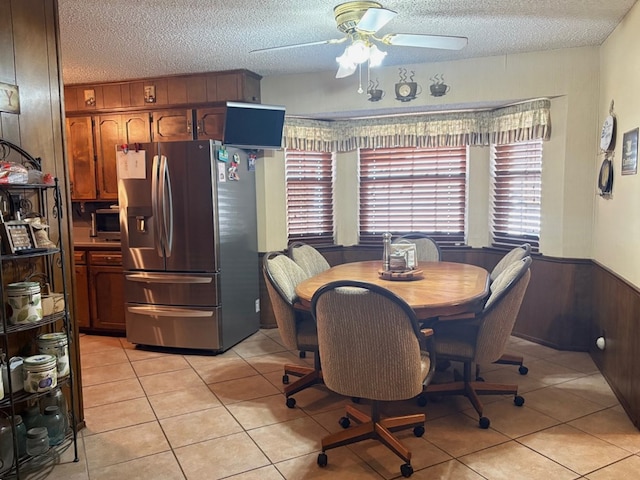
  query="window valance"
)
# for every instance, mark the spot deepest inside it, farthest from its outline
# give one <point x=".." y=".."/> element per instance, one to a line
<point x="521" y="122"/>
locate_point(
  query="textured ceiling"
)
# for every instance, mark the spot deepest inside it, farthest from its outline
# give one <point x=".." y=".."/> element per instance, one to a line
<point x="106" y="40"/>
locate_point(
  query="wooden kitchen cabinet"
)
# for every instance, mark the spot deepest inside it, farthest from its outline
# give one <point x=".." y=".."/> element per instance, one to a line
<point x="92" y="164"/>
<point x="173" y="125"/>
<point x="83" y="314"/>
<point x="210" y="123"/>
<point x="178" y="124"/>
<point x="81" y="157"/>
<point x="112" y="130"/>
<point x="100" y="289"/>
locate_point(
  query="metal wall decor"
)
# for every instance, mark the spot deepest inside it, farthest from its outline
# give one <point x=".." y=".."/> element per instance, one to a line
<point x="407" y="90"/>
<point x="375" y="93"/>
<point x="438" y="87"/>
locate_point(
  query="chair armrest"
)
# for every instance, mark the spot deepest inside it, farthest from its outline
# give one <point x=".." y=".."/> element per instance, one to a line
<point x="426" y="341"/>
<point x="427" y="332"/>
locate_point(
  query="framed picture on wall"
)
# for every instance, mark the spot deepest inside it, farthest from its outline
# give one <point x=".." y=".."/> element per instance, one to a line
<point x="630" y="152"/>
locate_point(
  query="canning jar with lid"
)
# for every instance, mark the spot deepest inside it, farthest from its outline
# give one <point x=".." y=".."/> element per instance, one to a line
<point x="37" y="441"/>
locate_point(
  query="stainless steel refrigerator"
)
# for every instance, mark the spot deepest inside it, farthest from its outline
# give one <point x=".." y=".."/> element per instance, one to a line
<point x="189" y="245"/>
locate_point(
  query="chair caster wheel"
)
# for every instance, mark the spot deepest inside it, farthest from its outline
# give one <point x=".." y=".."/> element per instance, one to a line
<point x="285" y="379"/>
<point x="523" y="370"/>
<point x="322" y="459"/>
<point x="303" y="354"/>
<point x="355" y="399"/>
<point x="422" y="400"/>
<point x="418" y="431"/>
<point x="344" y="422"/>
<point x="484" y="422"/>
<point x="406" y="470"/>
<point x="291" y="402"/>
<point x="518" y="400"/>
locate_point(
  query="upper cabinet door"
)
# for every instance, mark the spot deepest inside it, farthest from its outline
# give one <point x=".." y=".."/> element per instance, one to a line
<point x="81" y="158"/>
<point x="111" y="131"/>
<point x="173" y="125"/>
<point x="108" y="135"/>
<point x="210" y="122"/>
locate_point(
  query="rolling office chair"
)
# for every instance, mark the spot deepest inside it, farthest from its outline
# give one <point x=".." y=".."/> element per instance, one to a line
<point x="483" y="339"/>
<point x="371" y="348"/>
<point x="297" y="329"/>
<point x="310" y="260"/>
<point x="427" y="248"/>
<point x="514" y="255"/>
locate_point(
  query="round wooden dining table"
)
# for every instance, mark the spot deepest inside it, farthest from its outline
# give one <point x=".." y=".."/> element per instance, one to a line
<point x="443" y="288"/>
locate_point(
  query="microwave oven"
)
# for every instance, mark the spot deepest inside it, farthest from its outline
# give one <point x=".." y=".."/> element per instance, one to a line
<point x="106" y="224"/>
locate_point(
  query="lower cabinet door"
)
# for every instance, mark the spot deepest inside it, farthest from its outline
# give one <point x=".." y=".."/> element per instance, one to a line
<point x="106" y="285"/>
<point x="83" y="313"/>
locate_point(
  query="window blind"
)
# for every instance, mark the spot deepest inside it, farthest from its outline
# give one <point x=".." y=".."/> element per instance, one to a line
<point x="516" y="189"/>
<point x="405" y="190"/>
<point x="309" y="179"/>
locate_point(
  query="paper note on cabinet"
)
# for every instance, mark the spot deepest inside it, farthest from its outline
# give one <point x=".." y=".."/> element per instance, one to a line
<point x="131" y="164"/>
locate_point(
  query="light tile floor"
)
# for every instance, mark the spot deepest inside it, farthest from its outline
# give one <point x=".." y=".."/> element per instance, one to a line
<point x="152" y="415"/>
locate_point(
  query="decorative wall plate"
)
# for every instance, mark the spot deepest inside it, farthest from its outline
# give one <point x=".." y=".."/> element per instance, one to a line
<point x="607" y="136"/>
<point x="605" y="180"/>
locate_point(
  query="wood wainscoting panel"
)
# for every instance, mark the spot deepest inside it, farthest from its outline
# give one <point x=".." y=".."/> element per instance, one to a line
<point x="558" y="317"/>
<point x="616" y="316"/>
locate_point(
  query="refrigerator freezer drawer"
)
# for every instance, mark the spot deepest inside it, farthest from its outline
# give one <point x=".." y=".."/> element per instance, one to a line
<point x="171" y="288"/>
<point x="165" y="326"/>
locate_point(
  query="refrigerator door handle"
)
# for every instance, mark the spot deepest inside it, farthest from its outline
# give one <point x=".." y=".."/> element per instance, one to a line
<point x="155" y="207"/>
<point x="167" y="207"/>
<point x="151" y="278"/>
<point x="151" y="311"/>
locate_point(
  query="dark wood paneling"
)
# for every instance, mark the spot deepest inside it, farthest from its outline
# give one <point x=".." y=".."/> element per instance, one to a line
<point x="29" y="58"/>
<point x="176" y="90"/>
<point x="136" y="94"/>
<point x="196" y="89"/>
<point x="111" y="96"/>
<point x="616" y="314"/>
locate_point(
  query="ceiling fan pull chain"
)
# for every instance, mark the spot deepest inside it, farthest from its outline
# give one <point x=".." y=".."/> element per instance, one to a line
<point x="360" y="90"/>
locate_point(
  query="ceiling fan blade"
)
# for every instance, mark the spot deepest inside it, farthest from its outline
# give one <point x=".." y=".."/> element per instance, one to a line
<point x="346" y="70"/>
<point x="296" y="45"/>
<point x="374" y="19"/>
<point x="425" y="41"/>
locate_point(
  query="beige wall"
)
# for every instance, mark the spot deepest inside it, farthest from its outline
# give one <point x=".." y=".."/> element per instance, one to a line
<point x="569" y="76"/>
<point x="617" y="220"/>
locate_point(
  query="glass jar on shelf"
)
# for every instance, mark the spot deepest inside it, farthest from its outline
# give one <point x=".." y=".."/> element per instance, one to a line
<point x="56" y="398"/>
<point x="6" y="445"/>
<point x="21" y="434"/>
<point x="32" y="417"/>
<point x="55" y="425"/>
<point x="37" y="441"/>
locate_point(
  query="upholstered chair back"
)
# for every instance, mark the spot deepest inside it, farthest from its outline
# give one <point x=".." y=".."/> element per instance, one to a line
<point x="281" y="277"/>
<point x="308" y="258"/>
<point x="501" y="311"/>
<point x="369" y="342"/>
<point x="513" y="255"/>
<point x="427" y="248"/>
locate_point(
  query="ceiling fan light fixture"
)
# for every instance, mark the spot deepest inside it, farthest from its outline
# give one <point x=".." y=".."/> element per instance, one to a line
<point x="357" y="52"/>
<point x="376" y="56"/>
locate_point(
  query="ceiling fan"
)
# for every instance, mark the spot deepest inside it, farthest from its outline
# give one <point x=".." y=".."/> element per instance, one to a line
<point x="360" y="21"/>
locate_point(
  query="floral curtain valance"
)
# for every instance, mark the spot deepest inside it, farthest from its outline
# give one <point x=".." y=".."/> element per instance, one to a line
<point x="521" y="122"/>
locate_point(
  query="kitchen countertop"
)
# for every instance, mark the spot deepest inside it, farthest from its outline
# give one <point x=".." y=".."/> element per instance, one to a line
<point x="82" y="239"/>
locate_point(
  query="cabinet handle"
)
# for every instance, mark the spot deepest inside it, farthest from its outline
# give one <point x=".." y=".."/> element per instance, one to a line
<point x="163" y="278"/>
<point x="153" y="311"/>
<point x="189" y="126"/>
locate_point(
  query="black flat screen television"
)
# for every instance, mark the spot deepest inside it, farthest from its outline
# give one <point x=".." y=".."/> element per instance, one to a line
<point x="253" y="126"/>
